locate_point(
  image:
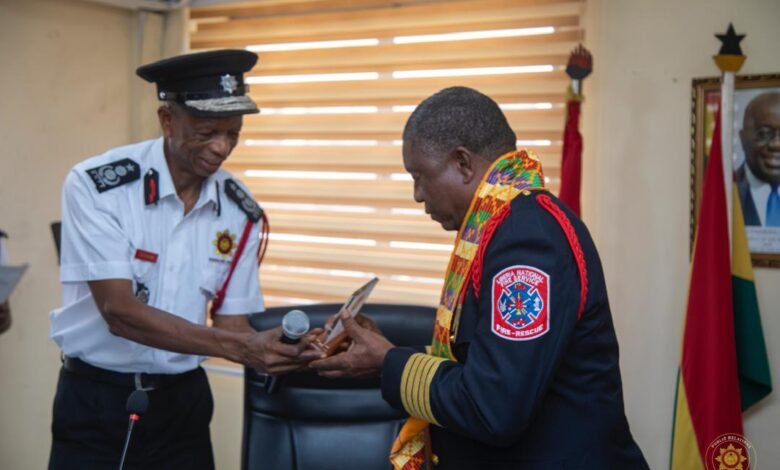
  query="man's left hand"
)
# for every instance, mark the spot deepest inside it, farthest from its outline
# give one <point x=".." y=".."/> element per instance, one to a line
<point x="363" y="358"/>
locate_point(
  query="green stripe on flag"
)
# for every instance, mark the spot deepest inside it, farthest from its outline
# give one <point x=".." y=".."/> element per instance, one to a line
<point x="754" y="379"/>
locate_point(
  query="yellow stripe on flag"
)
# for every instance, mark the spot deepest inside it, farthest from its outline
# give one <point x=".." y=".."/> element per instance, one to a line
<point x="740" y="261"/>
<point x="685" y="450"/>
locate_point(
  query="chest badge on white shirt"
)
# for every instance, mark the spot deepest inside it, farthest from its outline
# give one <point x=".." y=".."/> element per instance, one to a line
<point x="224" y="244"/>
<point x="115" y="174"/>
<point x="142" y="292"/>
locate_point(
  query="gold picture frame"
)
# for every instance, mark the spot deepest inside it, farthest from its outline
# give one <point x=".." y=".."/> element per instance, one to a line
<point x="764" y="241"/>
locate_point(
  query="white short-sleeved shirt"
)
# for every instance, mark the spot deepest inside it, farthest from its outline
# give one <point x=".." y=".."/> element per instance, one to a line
<point x="110" y="232"/>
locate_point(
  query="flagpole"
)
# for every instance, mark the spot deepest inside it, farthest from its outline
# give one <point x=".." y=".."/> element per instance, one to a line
<point x="575" y="87"/>
<point x="727" y="143"/>
<point x="729" y="60"/>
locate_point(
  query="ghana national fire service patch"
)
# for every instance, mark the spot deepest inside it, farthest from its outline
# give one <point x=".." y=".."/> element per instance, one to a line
<point x="224" y="244"/>
<point x="521" y="299"/>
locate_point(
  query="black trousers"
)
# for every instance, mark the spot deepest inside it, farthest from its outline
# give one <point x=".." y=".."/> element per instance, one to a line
<point x="90" y="424"/>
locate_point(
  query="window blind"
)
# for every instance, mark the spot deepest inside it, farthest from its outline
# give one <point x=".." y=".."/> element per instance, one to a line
<point x="335" y="82"/>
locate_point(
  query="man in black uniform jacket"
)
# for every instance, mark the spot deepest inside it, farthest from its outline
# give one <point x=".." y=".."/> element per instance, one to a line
<point x="529" y="375"/>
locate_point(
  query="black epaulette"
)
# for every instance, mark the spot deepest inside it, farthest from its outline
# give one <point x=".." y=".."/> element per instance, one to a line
<point x="151" y="187"/>
<point x="114" y="174"/>
<point x="244" y="201"/>
<point x="3" y="234"/>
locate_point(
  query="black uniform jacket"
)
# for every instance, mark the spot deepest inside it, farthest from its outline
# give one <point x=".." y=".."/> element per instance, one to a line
<point x="553" y="401"/>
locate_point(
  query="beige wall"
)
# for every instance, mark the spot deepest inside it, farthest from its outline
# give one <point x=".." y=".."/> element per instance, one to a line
<point x="66" y="92"/>
<point x="636" y="128"/>
<point x="63" y="95"/>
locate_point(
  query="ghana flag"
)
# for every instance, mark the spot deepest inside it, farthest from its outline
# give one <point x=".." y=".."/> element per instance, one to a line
<point x="723" y="354"/>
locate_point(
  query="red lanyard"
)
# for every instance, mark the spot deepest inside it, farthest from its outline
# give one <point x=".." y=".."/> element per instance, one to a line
<point x="220" y="296"/>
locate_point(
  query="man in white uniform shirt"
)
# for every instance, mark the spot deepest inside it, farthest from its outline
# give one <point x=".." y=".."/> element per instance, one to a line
<point x="758" y="179"/>
<point x="151" y="232"/>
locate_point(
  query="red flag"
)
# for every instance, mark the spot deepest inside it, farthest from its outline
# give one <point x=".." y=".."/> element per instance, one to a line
<point x="708" y="401"/>
<point x="571" y="161"/>
<point x="580" y="66"/>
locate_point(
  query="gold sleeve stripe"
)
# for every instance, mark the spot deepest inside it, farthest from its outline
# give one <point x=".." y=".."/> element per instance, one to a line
<point x="408" y="383"/>
<point x="409" y="393"/>
<point x="416" y="385"/>
<point x="424" y="395"/>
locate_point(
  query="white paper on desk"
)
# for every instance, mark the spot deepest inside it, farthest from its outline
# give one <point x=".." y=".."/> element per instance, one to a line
<point x="9" y="278"/>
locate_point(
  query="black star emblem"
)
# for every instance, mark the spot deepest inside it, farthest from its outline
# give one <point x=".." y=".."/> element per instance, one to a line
<point x="730" y="42"/>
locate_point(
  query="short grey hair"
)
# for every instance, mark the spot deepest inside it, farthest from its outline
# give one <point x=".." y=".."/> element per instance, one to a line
<point x="460" y="116"/>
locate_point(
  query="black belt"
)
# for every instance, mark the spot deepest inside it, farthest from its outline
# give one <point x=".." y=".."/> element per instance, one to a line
<point x="125" y="379"/>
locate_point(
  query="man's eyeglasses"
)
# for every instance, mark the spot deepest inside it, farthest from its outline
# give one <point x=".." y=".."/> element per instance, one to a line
<point x="764" y="134"/>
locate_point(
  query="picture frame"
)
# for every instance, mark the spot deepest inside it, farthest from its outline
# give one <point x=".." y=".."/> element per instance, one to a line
<point x="763" y="241"/>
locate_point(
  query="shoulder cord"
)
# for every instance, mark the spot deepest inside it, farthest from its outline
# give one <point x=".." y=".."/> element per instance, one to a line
<point x="264" y="231"/>
<point x="574" y="244"/>
<point x="487" y="234"/>
<point x="219" y="298"/>
<point x="568" y="230"/>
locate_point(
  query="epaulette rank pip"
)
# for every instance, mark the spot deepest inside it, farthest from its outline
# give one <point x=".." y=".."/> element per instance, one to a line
<point x="244" y="201"/>
<point x="115" y="174"/>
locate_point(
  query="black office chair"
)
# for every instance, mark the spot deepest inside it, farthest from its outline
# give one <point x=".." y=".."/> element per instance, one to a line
<point x="56" y="232"/>
<point x="312" y="423"/>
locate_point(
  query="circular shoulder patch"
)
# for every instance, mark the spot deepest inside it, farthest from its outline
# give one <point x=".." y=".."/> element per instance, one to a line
<point x="521" y="298"/>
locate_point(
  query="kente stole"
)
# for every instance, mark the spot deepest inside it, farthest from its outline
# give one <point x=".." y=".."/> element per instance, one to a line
<point x="507" y="177"/>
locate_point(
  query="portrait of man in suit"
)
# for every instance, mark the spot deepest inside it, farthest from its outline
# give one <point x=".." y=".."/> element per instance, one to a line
<point x="758" y="177"/>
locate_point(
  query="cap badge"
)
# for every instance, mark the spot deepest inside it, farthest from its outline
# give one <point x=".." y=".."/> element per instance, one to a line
<point x="229" y="83"/>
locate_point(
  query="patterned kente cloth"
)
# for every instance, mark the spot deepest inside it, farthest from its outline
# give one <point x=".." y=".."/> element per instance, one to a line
<point x="507" y="177"/>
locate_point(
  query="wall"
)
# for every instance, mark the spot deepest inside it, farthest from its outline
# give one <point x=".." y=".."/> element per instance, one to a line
<point x="637" y="141"/>
<point x="59" y="104"/>
<point x="66" y="92"/>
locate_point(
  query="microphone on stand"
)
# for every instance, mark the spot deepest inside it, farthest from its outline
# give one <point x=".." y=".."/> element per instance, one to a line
<point x="137" y="403"/>
<point x="295" y="325"/>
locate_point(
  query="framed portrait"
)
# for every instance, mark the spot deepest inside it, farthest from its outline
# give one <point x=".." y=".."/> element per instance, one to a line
<point x="756" y="156"/>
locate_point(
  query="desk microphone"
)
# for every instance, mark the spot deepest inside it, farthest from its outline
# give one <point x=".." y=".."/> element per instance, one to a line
<point x="295" y="325"/>
<point x="137" y="403"/>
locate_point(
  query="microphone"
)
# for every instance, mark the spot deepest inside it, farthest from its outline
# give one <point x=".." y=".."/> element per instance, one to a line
<point x="295" y="325"/>
<point x="137" y="403"/>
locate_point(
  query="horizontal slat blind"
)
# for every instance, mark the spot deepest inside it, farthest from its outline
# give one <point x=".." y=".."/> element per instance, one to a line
<point x="324" y="155"/>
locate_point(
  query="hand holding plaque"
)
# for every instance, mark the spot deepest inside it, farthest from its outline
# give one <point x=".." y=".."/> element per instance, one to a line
<point x="334" y="337"/>
<point x="364" y="355"/>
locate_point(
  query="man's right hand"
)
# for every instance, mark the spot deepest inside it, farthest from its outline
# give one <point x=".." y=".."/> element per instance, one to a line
<point x="266" y="352"/>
